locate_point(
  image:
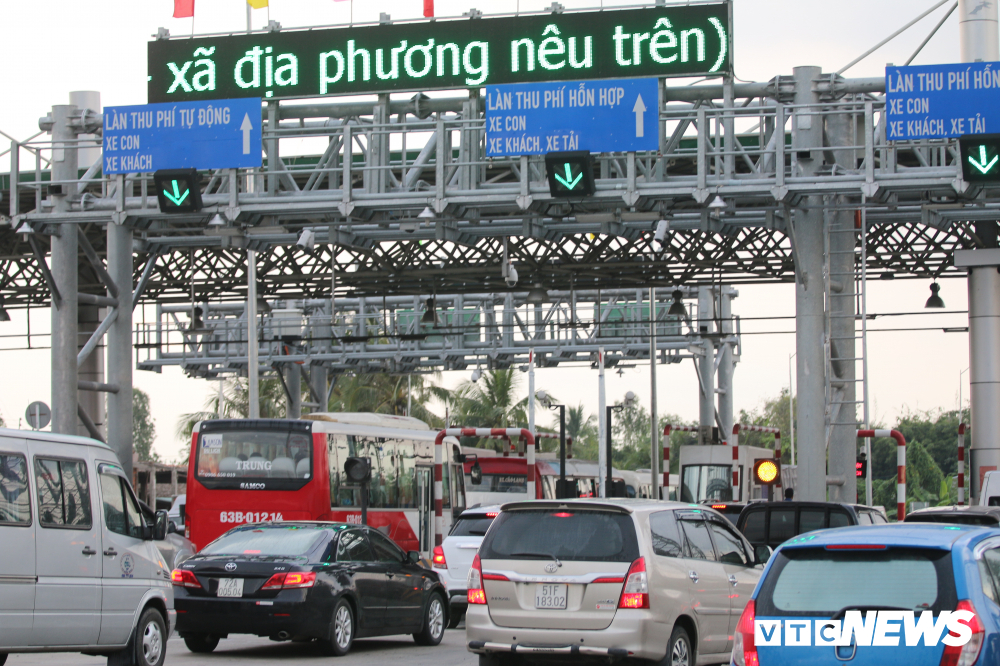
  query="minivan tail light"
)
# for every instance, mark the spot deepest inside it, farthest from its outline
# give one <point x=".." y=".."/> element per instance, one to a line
<point x="183" y="578"/>
<point x="744" y="649"/>
<point x="476" y="593"/>
<point x="438" y="560"/>
<point x="635" y="594"/>
<point x="965" y="655"/>
<point x="290" y="581"/>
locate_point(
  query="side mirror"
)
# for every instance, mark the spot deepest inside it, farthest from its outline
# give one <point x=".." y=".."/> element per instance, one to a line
<point x="172" y="528"/>
<point x="159" y="531"/>
<point x="460" y="457"/>
<point x="413" y="557"/>
<point x="761" y="554"/>
<point x="476" y="473"/>
<point x="180" y="510"/>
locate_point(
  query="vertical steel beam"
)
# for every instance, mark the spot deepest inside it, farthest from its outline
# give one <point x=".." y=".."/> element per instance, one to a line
<point x="727" y="364"/>
<point x="91" y="369"/>
<point x="706" y="365"/>
<point x="119" y="345"/>
<point x="253" y="369"/>
<point x="293" y="401"/>
<point x="65" y="266"/>
<point x="654" y="436"/>
<point x="603" y="427"/>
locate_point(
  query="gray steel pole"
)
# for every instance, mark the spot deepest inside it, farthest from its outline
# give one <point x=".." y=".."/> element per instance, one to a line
<point x="64" y="258"/>
<point x="809" y="297"/>
<point x="293" y="401"/>
<point x="727" y="364"/>
<point x="979" y="40"/>
<point x="253" y="371"/>
<point x="561" y="491"/>
<point x="531" y="392"/>
<point x="603" y="426"/>
<point x="119" y="346"/>
<point x="706" y="366"/>
<point x="88" y="318"/>
<point x="655" y="445"/>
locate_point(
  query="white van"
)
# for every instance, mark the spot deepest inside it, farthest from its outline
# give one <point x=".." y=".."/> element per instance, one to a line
<point x="78" y="568"/>
<point x="989" y="494"/>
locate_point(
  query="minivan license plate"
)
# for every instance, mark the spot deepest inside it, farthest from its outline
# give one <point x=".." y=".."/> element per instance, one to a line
<point x="550" y="595"/>
<point x="230" y="587"/>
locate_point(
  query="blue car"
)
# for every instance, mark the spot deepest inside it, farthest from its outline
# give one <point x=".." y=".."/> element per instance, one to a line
<point x="819" y="584"/>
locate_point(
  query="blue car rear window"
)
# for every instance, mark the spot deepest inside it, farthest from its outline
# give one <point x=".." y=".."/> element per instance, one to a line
<point x="815" y="581"/>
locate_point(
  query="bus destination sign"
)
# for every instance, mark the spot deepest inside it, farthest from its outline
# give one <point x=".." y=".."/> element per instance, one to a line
<point x="663" y="41"/>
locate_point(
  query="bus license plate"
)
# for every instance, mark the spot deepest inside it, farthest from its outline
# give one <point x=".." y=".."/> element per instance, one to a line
<point x="550" y="595"/>
<point x="230" y="587"/>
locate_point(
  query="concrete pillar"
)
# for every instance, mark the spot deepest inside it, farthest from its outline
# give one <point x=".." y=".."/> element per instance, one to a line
<point x="979" y="40"/>
<point x="65" y="265"/>
<point x="119" y="345"/>
<point x="727" y="364"/>
<point x="706" y="366"/>
<point x="807" y="141"/>
<point x="88" y="318"/>
<point x="293" y="401"/>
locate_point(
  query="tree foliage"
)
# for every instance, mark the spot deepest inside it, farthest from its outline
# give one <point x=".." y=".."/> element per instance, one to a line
<point x="143" y="427"/>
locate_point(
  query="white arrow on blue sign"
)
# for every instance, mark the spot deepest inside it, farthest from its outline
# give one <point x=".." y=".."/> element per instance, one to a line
<point x="212" y="134"/>
<point x="600" y="116"/>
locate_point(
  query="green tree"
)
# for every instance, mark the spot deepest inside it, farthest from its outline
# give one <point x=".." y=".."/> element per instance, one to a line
<point x="388" y="394"/>
<point x="235" y="404"/>
<point x="492" y="402"/>
<point x="772" y="414"/>
<point x="143" y="427"/>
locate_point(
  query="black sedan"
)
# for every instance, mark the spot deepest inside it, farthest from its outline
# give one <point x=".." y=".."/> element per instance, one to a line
<point x="332" y="582"/>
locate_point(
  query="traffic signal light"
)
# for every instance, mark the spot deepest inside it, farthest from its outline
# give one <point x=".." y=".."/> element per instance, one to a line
<point x="178" y="190"/>
<point x="861" y="466"/>
<point x="980" y="157"/>
<point x="766" y="471"/>
<point x="570" y="174"/>
<point x="358" y="470"/>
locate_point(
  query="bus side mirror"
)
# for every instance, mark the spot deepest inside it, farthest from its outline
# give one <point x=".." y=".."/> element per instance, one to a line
<point x="476" y="473"/>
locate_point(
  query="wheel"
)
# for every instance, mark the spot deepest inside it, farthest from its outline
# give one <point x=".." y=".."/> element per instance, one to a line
<point x="341" y="630"/>
<point x="3" y="658"/>
<point x="679" y="651"/>
<point x="148" y="644"/>
<point x="201" y="643"/>
<point x="455" y="618"/>
<point x="434" y="621"/>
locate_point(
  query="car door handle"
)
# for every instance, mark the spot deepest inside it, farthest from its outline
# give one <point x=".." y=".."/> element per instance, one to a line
<point x="732" y="579"/>
<point x="693" y="575"/>
<point x="87" y="550"/>
<point x="110" y="552"/>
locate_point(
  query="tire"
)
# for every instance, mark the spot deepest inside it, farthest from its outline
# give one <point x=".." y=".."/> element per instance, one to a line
<point x="148" y="644"/>
<point x="201" y="643"/>
<point x="435" y="618"/>
<point x="455" y="618"/>
<point x="342" y="629"/>
<point x="679" y="649"/>
<point x="3" y="658"/>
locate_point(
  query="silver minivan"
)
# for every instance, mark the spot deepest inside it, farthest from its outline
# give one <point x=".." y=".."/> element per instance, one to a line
<point x="79" y="571"/>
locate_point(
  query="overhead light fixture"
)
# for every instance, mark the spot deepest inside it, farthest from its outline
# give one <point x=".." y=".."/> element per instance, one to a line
<point x="197" y="323"/>
<point x="630" y="398"/>
<point x="217" y="221"/>
<point x="307" y="239"/>
<point x="662" y="227"/>
<point x="934" y="301"/>
<point x="430" y="314"/>
<point x="4" y="315"/>
<point x="537" y="294"/>
<point x="427" y="214"/>
<point x="677" y="308"/>
<point x="25" y="228"/>
<point x="717" y="205"/>
<point x="476" y="375"/>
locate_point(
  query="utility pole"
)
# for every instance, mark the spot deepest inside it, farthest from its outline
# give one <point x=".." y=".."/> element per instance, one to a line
<point x="252" y="364"/>
<point x="654" y="439"/>
<point x="603" y="426"/>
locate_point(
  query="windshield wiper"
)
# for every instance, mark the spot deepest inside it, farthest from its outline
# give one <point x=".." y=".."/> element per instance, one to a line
<point x="545" y="555"/>
<point x="843" y="611"/>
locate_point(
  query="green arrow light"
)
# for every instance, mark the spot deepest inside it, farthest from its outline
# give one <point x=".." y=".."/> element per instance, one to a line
<point x="981" y="164"/>
<point x="569" y="182"/>
<point x="177" y="198"/>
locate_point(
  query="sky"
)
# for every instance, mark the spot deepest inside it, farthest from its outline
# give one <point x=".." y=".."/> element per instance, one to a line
<point x="66" y="45"/>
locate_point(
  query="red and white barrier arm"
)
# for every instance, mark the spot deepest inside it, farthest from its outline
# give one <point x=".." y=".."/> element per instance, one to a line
<point x="900" y="465"/>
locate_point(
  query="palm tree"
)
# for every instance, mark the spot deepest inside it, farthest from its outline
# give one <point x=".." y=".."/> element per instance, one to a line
<point x="491" y="402"/>
<point x="388" y="394"/>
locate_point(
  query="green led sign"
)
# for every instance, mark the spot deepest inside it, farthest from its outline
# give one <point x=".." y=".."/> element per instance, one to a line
<point x="980" y="155"/>
<point x="667" y="41"/>
<point x="178" y="190"/>
<point x="571" y="174"/>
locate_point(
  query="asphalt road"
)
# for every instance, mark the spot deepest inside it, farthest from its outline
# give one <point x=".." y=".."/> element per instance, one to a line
<point x="240" y="649"/>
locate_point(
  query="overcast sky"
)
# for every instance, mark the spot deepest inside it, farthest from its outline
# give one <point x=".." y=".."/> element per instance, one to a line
<point x="54" y="47"/>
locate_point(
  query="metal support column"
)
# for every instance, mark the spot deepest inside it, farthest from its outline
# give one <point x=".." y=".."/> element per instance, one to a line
<point x="655" y="446"/>
<point x="603" y="426"/>
<point x="727" y="364"/>
<point x="706" y="366"/>
<point x="253" y="369"/>
<point x="119" y="345"/>
<point x="807" y="142"/>
<point x="88" y="318"/>
<point x="64" y="260"/>
<point x="293" y="401"/>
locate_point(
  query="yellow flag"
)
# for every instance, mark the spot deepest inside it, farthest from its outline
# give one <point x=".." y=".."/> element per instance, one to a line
<point x="257" y="4"/>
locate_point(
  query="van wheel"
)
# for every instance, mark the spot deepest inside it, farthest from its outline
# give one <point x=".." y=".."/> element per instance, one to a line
<point x="679" y="651"/>
<point x="148" y="646"/>
<point x="434" y="622"/>
<point x="201" y="643"/>
<point x="342" y="630"/>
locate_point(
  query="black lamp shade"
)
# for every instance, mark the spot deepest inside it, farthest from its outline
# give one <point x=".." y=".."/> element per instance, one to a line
<point x="934" y="301"/>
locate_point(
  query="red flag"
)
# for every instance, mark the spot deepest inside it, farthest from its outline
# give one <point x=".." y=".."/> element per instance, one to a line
<point x="428" y="8"/>
<point x="183" y="8"/>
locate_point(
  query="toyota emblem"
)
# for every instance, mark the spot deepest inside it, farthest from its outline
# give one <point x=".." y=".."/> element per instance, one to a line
<point x="551" y="567"/>
<point x="231" y="566"/>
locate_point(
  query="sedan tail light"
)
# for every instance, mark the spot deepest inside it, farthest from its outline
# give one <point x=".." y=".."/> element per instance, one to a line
<point x="965" y="655"/>
<point x="438" y="560"/>
<point x="474" y="583"/>
<point x="183" y="578"/>
<point x="289" y="581"/>
<point x="744" y="649"/>
<point x="635" y="594"/>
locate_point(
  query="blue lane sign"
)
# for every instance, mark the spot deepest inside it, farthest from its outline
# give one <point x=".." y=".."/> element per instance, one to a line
<point x="598" y="116"/>
<point x="213" y="134"/>
<point x="942" y="101"/>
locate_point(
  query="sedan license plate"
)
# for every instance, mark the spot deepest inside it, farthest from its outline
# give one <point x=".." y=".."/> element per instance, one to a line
<point x="550" y="595"/>
<point x="230" y="587"/>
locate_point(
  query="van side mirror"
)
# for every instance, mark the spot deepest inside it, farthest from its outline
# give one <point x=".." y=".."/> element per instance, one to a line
<point x="761" y="554"/>
<point x="476" y="473"/>
<point x="159" y="531"/>
<point x="181" y="511"/>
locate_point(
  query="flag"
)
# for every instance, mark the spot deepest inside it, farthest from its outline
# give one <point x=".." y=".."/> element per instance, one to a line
<point x="183" y="8"/>
<point x="257" y="4"/>
<point x="428" y="8"/>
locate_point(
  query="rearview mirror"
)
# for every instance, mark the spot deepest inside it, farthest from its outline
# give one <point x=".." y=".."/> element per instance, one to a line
<point x="159" y="531"/>
<point x="477" y="474"/>
<point x="761" y="554"/>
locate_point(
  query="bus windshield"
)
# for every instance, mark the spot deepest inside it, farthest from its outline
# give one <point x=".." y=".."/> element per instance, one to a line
<point x="254" y="459"/>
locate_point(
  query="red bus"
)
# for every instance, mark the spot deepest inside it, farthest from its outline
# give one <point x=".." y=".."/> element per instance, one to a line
<point x="244" y="471"/>
<point x="505" y="479"/>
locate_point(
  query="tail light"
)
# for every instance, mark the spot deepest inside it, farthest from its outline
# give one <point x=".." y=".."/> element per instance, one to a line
<point x="290" y="581"/>
<point x="438" y="560"/>
<point x="635" y="594"/>
<point x="744" y="649"/>
<point x="965" y="655"/>
<point x="476" y="593"/>
<point x="183" y="578"/>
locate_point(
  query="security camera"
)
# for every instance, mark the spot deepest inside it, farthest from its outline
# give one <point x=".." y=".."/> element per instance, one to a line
<point x="307" y="239"/>
<point x="476" y="374"/>
<point x="662" y="227"/>
<point x="409" y="227"/>
<point x="511" y="277"/>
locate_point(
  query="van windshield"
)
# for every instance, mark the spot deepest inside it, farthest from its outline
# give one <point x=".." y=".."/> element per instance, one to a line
<point x="800" y="582"/>
<point x="254" y="459"/>
<point x="566" y="534"/>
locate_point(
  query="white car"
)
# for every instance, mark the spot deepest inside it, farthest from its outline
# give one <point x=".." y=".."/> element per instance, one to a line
<point x="452" y="559"/>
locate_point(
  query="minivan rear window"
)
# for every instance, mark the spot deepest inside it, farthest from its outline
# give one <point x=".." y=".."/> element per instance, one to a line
<point x="816" y="581"/>
<point x="567" y="534"/>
